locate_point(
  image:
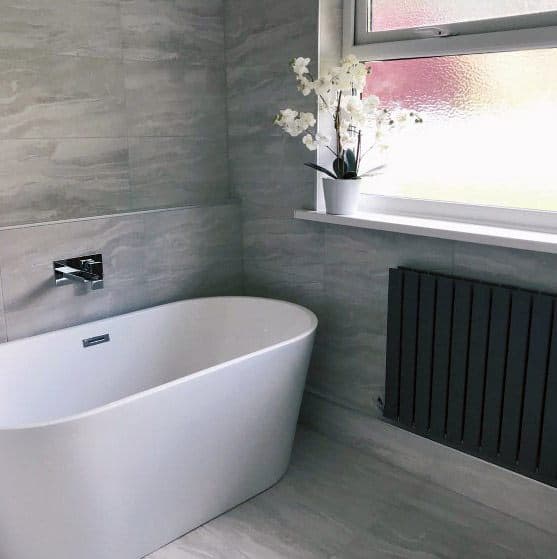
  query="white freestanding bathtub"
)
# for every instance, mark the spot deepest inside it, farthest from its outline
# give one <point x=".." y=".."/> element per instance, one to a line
<point x="111" y="451"/>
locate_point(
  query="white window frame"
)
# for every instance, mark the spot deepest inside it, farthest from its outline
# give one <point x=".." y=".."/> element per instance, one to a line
<point x="515" y="33"/>
<point x="525" y="32"/>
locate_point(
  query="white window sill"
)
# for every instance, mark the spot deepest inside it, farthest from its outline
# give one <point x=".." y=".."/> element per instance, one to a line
<point x="453" y="230"/>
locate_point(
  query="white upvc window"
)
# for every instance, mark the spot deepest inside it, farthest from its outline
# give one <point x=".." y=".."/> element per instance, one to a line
<point x="483" y="74"/>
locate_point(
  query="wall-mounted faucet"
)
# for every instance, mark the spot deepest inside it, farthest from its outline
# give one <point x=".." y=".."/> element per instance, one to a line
<point x="87" y="270"/>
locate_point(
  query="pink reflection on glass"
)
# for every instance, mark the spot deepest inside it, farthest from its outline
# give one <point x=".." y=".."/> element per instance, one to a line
<point x="387" y="15"/>
<point x="487" y="136"/>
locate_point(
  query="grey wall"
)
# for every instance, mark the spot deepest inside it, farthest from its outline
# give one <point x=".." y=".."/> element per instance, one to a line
<point x="341" y="273"/>
<point x="111" y="106"/>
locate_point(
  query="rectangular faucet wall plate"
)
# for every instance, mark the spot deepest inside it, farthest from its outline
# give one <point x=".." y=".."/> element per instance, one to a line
<point x="473" y="365"/>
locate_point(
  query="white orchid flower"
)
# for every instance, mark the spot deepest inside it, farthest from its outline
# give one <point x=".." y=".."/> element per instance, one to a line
<point x="308" y="119"/>
<point x="314" y="143"/>
<point x="340" y="94"/>
<point x="305" y="86"/>
<point x="300" y="66"/>
<point x="371" y="103"/>
<point x="350" y="60"/>
<point x="309" y="141"/>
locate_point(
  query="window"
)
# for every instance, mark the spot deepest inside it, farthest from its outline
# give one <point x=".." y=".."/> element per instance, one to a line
<point x="389" y="29"/>
<point x="488" y="135"/>
<point x="389" y="15"/>
<point x="484" y="76"/>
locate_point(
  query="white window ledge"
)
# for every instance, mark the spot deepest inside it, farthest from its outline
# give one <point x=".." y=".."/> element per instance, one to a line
<point x="494" y="235"/>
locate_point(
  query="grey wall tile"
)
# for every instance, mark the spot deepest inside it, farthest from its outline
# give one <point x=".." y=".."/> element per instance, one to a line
<point x="172" y="172"/>
<point x="531" y="270"/>
<point x="44" y="180"/>
<point x="32" y="303"/>
<point x="193" y="252"/>
<point x="3" y="331"/>
<point x="69" y="27"/>
<point x="270" y="33"/>
<point x="93" y="92"/>
<point x="61" y="97"/>
<point x="351" y="370"/>
<point x="149" y="259"/>
<point x="191" y="30"/>
<point x="175" y="98"/>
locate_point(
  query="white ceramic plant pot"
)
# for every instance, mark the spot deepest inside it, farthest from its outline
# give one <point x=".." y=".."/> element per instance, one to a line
<point x="341" y="196"/>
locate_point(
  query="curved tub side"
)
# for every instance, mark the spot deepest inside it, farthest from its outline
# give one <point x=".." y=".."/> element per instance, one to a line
<point x="124" y="482"/>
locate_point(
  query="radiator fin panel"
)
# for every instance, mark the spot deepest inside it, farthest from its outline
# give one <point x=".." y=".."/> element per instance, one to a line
<point x="474" y="366"/>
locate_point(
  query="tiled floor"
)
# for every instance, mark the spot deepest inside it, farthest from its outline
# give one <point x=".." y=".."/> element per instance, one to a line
<point x="338" y="503"/>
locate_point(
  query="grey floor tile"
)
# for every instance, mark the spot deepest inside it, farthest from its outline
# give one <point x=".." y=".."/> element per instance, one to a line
<point x="336" y="502"/>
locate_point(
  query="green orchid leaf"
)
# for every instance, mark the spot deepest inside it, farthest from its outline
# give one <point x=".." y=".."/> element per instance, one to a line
<point x="351" y="162"/>
<point x="321" y="169"/>
<point x="339" y="166"/>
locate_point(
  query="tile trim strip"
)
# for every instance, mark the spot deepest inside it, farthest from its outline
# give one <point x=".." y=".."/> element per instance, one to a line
<point x="226" y="202"/>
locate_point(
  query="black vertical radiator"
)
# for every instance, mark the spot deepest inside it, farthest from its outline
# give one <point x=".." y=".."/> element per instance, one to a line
<point x="473" y="365"/>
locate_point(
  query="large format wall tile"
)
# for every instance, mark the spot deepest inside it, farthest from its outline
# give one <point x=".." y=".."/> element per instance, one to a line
<point x="189" y="237"/>
<point x="193" y="252"/>
<point x="61" y="97"/>
<point x="32" y="303"/>
<point x="175" y="98"/>
<point x="69" y="27"/>
<point x="192" y="30"/>
<point x="270" y="33"/>
<point x="3" y="332"/>
<point x="149" y="259"/>
<point x="172" y="172"/>
<point x="531" y="270"/>
<point x="45" y="180"/>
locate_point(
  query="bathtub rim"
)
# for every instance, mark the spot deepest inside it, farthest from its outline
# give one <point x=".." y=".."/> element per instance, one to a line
<point x="166" y="386"/>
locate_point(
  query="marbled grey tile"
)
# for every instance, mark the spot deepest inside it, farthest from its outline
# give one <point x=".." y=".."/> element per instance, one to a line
<point x="261" y="40"/>
<point x="509" y="493"/>
<point x="175" y="98"/>
<point x="193" y="252"/>
<point x="45" y="180"/>
<point x="272" y="236"/>
<point x="61" y="97"/>
<point x="531" y="270"/>
<point x="349" y="361"/>
<point x="357" y="271"/>
<point x="270" y="170"/>
<point x="3" y="332"/>
<point x="213" y="277"/>
<point x="338" y="503"/>
<point x="351" y="371"/>
<point x="271" y="33"/>
<point x="192" y="30"/>
<point x="172" y="172"/>
<point x="69" y="27"/>
<point x="264" y="280"/>
<point x="33" y="305"/>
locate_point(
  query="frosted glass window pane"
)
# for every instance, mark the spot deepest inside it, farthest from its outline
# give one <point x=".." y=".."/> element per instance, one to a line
<point x="387" y="15"/>
<point x="489" y="128"/>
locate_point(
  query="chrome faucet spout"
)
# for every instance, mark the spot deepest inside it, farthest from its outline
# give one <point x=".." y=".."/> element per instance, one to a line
<point x="87" y="270"/>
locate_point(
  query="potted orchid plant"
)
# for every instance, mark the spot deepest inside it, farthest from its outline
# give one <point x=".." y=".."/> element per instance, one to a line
<point x="360" y="126"/>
